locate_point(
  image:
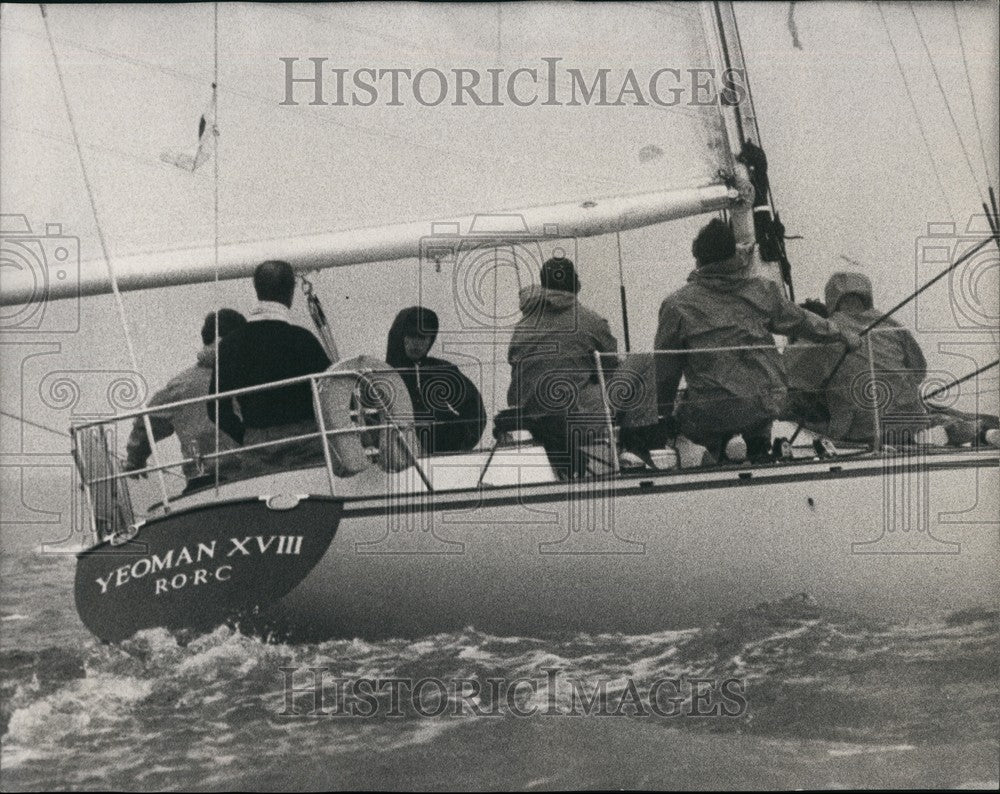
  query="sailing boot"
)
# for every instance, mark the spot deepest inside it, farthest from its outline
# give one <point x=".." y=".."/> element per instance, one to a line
<point x="824" y="448"/>
<point x="781" y="449"/>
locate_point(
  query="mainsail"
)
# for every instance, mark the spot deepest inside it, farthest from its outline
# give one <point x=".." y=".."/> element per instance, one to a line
<point x="594" y="119"/>
<point x="330" y="121"/>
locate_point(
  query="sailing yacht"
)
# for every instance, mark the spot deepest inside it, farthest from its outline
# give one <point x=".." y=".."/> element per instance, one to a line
<point x="398" y="543"/>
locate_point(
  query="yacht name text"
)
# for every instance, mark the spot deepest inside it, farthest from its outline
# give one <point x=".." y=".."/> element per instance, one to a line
<point x="199" y="554"/>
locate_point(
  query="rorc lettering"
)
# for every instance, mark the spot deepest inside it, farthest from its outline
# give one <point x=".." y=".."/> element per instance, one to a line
<point x="172" y="559"/>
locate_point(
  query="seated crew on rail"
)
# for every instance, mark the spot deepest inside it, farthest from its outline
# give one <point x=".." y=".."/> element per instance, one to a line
<point x="805" y="401"/>
<point x="196" y="434"/>
<point x="271" y="348"/>
<point x="448" y="410"/>
<point x="722" y="305"/>
<point x="899" y="369"/>
<point x="554" y="383"/>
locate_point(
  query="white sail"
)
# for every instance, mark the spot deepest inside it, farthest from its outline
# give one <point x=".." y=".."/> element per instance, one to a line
<point x="554" y="79"/>
<point x="333" y="184"/>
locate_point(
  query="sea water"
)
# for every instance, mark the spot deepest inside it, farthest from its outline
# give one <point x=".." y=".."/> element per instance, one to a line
<point x="817" y="698"/>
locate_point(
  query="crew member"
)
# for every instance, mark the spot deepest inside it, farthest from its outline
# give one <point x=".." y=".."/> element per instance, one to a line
<point x="270" y="348"/>
<point x="723" y="306"/>
<point x="447" y="407"/>
<point x="197" y="436"/>
<point x="554" y="379"/>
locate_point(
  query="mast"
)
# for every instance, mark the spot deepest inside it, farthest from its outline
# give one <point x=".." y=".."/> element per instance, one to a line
<point x="586" y="218"/>
<point x="741" y="125"/>
<point x="741" y="120"/>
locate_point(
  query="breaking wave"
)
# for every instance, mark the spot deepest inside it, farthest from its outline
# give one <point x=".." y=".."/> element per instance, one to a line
<point x="213" y="711"/>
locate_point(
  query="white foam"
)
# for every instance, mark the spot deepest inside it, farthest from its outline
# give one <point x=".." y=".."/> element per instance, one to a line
<point x="871" y="749"/>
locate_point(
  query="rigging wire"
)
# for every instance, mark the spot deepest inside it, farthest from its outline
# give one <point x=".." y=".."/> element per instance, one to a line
<point x="727" y="62"/>
<point x="112" y="275"/>
<point x="793" y="28"/>
<point x="111" y="150"/>
<point x="885" y="316"/>
<point x="31" y="423"/>
<point x="676" y="11"/>
<point x="916" y="114"/>
<point x="784" y="262"/>
<point x="746" y="77"/>
<point x="993" y="215"/>
<point x="177" y="74"/>
<point x="214" y="132"/>
<point x="947" y="104"/>
<point x="340" y="24"/>
<point x="972" y="95"/>
<point x="963" y="379"/>
<point x="496" y="253"/>
<point x="621" y="288"/>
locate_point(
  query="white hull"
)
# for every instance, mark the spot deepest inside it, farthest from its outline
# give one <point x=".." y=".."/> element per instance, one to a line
<point x="643" y="560"/>
<point x="894" y="539"/>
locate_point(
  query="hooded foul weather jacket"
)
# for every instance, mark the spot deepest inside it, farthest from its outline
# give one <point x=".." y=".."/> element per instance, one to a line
<point x="723" y="306"/>
<point x="448" y="410"/>
<point x="851" y="397"/>
<point x="551" y="355"/>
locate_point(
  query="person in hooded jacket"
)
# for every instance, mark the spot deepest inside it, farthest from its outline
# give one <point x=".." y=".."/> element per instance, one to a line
<point x="554" y="381"/>
<point x="722" y="305"/>
<point x="447" y="407"/>
<point x="899" y="370"/>
<point x="194" y="431"/>
<point x="898" y="363"/>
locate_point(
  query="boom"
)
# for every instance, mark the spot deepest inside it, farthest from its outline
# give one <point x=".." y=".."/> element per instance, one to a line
<point x="377" y="244"/>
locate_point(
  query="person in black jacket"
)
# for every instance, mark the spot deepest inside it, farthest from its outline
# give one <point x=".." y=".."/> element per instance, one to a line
<point x="447" y="407"/>
<point x="268" y="349"/>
